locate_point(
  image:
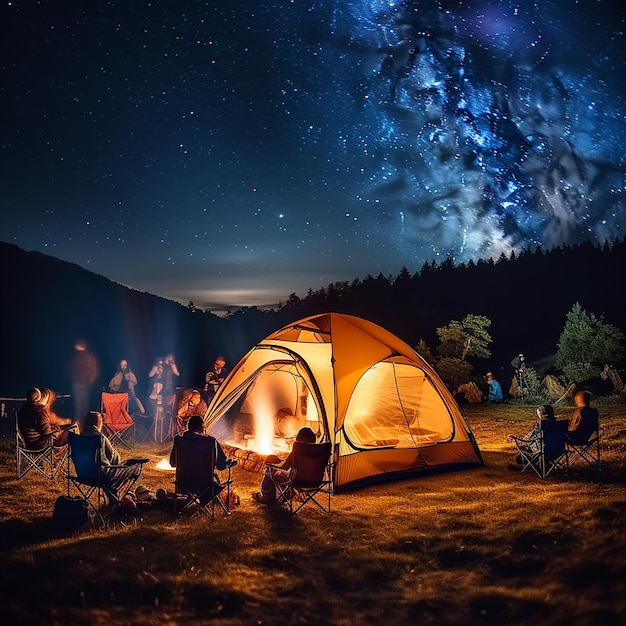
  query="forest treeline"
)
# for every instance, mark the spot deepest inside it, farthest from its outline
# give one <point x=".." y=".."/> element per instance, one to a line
<point x="48" y="304"/>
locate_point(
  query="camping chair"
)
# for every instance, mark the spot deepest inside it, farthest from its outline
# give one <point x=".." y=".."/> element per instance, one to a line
<point x="587" y="452"/>
<point x="118" y="425"/>
<point x="546" y="451"/>
<point x="47" y="460"/>
<point x="309" y="477"/>
<point x="197" y="486"/>
<point x="98" y="482"/>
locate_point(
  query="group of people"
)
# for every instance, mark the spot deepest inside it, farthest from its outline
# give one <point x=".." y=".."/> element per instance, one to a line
<point x="162" y="383"/>
<point x="40" y="425"/>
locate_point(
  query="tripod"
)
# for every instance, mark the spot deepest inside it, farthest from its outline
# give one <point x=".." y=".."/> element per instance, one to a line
<point x="520" y="379"/>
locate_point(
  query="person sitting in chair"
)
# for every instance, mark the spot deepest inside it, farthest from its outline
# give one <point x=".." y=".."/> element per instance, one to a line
<point x="584" y="420"/>
<point x="191" y="403"/>
<point x="279" y="474"/>
<point x="544" y="412"/>
<point x="195" y="427"/>
<point x="93" y="428"/>
<point x="113" y="468"/>
<point x="37" y="422"/>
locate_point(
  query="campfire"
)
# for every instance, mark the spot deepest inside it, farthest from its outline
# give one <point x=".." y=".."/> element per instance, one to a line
<point x="164" y="464"/>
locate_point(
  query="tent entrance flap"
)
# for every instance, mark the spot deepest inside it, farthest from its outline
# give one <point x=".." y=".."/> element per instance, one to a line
<point x="265" y="415"/>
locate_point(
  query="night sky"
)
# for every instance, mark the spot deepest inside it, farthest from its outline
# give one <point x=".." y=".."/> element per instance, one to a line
<point x="233" y="152"/>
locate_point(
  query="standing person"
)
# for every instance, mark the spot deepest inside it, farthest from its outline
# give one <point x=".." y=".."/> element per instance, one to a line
<point x="156" y="385"/>
<point x="214" y="378"/>
<point x="583" y="421"/>
<point x="519" y="380"/>
<point x="125" y="381"/>
<point x="84" y="372"/>
<point x="170" y="382"/>
<point x="495" y="390"/>
<point x="170" y="373"/>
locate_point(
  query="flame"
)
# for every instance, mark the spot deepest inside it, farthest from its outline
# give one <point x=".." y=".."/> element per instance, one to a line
<point x="164" y="464"/>
<point x="263" y="425"/>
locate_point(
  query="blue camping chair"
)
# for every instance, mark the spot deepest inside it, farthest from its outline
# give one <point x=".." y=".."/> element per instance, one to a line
<point x="103" y="486"/>
<point x="310" y="477"/>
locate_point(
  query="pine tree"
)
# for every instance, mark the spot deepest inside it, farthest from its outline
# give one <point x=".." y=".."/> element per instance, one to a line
<point x="586" y="344"/>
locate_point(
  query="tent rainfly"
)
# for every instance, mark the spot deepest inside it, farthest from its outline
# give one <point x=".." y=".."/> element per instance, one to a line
<point x="385" y="409"/>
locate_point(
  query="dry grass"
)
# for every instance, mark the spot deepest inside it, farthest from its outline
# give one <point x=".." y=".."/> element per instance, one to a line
<point x="484" y="546"/>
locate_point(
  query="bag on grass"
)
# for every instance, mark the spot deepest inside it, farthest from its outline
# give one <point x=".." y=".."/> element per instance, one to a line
<point x="70" y="512"/>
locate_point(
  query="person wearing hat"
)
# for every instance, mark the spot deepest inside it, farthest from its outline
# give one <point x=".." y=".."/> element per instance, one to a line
<point x="495" y="389"/>
<point x="37" y="422"/>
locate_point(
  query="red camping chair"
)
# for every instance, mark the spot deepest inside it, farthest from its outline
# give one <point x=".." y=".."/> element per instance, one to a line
<point x="309" y="477"/>
<point x="118" y="425"/>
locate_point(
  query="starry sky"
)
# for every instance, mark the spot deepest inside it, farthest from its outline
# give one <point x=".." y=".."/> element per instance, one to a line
<point x="231" y="153"/>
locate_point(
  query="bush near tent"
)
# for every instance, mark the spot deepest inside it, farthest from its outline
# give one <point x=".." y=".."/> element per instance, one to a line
<point x="383" y="407"/>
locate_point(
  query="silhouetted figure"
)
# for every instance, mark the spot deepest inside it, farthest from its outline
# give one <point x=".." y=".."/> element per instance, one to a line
<point x="279" y="474"/>
<point x="84" y="373"/>
<point x="584" y="420"/>
<point x="214" y="378"/>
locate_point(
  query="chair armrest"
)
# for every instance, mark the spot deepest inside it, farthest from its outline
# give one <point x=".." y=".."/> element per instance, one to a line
<point x="128" y="462"/>
<point x="525" y="439"/>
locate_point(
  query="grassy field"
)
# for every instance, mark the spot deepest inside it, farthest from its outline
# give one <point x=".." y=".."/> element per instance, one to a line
<point x="481" y="546"/>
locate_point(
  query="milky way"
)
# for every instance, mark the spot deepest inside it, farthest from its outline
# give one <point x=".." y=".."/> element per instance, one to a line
<point x="231" y="153"/>
<point x="494" y="131"/>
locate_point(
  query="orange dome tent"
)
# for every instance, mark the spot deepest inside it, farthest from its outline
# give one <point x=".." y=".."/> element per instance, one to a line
<point x="383" y="407"/>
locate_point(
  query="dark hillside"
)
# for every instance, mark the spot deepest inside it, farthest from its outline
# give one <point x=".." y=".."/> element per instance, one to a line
<point x="49" y="304"/>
